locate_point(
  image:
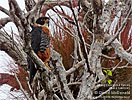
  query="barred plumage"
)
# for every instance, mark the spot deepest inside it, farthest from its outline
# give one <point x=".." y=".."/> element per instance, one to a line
<point x="45" y="42"/>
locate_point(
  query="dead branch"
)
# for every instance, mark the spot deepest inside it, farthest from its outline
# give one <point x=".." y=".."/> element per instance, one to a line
<point x="119" y="50"/>
<point x="56" y="97"/>
<point x="51" y="4"/>
<point x="34" y="96"/>
<point x="81" y="38"/>
<point x="107" y="57"/>
<point x="44" y="73"/>
<point x="15" y="52"/>
<point x="120" y="29"/>
<point x="116" y="65"/>
<point x="74" y="83"/>
<point x="4" y="10"/>
<point x="87" y="83"/>
<point x="60" y="72"/>
<point x="29" y="4"/>
<point x="86" y="87"/>
<point x="72" y="34"/>
<point x="21" y="88"/>
<point x="18" y="11"/>
<point x="34" y="13"/>
<point x="4" y="21"/>
<point x="95" y="59"/>
<point x="76" y="66"/>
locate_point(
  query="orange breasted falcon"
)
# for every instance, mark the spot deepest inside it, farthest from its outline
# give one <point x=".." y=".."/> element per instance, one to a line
<point x="40" y="42"/>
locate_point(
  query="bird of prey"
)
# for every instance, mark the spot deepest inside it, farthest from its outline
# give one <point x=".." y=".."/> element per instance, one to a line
<point x="40" y="43"/>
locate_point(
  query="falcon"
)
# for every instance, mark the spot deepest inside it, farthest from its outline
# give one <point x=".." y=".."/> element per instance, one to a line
<point x="40" y="43"/>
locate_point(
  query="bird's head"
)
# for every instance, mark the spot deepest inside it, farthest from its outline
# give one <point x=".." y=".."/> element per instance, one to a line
<point x="42" y="21"/>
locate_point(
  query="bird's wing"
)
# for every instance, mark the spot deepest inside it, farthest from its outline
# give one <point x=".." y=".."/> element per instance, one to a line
<point x="35" y="43"/>
<point x="36" y="38"/>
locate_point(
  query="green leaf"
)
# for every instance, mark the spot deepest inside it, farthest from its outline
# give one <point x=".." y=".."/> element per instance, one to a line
<point x="105" y="71"/>
<point x="109" y="81"/>
<point x="109" y="72"/>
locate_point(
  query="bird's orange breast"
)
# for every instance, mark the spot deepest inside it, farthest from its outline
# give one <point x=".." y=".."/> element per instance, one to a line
<point x="45" y="56"/>
<point x="46" y="30"/>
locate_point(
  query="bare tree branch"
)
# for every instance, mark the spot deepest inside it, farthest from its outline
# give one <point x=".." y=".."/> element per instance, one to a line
<point x="15" y="52"/>
<point x="119" y="50"/>
<point x="27" y="97"/>
<point x="29" y="4"/>
<point x="86" y="87"/>
<point x="61" y="75"/>
<point x="4" y="21"/>
<point x="35" y="12"/>
<point x="56" y="97"/>
<point x="70" y="33"/>
<point x="34" y="96"/>
<point x="14" y="5"/>
<point x="120" y="29"/>
<point x="81" y="38"/>
<point x="4" y="10"/>
<point x="107" y="57"/>
<point x="76" y="66"/>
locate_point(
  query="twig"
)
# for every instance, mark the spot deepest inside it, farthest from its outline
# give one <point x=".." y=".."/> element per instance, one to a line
<point x="107" y="57"/>
<point x="124" y="67"/>
<point x="4" y="10"/>
<point x="120" y="29"/>
<point x="15" y="53"/>
<point x="35" y="10"/>
<point x="116" y="66"/>
<point x="34" y="96"/>
<point x="75" y="51"/>
<point x="56" y="97"/>
<point x="129" y="49"/>
<point x="70" y="84"/>
<point x="81" y="38"/>
<point x="119" y="50"/>
<point x="74" y="83"/>
<point x="21" y="88"/>
<point x="17" y="9"/>
<point x="75" y="67"/>
<point x="63" y="28"/>
<point x="80" y="51"/>
<point x="14" y="44"/>
<point x="29" y="4"/>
